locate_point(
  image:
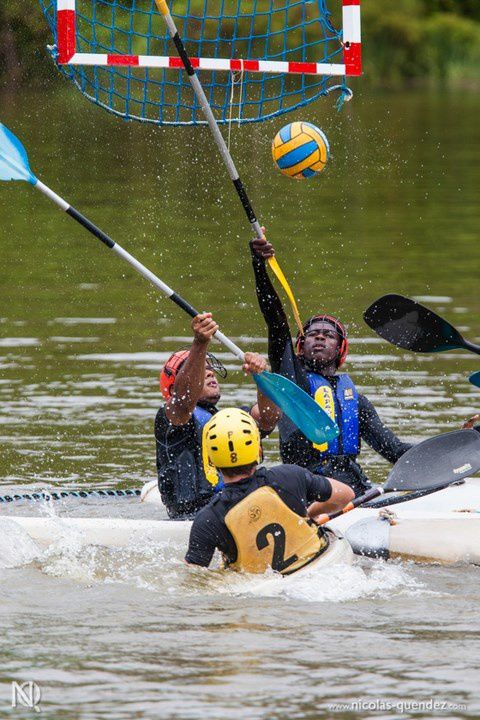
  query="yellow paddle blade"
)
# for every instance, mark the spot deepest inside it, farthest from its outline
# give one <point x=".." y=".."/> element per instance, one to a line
<point x="288" y="290"/>
<point x="162" y="7"/>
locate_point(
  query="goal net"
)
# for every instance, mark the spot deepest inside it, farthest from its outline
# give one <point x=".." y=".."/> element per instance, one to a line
<point x="257" y="58"/>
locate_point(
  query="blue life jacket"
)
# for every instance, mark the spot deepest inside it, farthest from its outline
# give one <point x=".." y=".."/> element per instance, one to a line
<point x="201" y="415"/>
<point x="344" y="411"/>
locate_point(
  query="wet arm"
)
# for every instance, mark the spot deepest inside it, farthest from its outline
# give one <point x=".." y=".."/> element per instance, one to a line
<point x="188" y="386"/>
<point x="190" y="380"/>
<point x="265" y="413"/>
<point x="378" y="435"/>
<point x="340" y="495"/>
<point x="201" y="545"/>
<point x="272" y="310"/>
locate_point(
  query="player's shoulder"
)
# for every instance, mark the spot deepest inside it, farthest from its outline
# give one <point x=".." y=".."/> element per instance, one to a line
<point x="286" y="473"/>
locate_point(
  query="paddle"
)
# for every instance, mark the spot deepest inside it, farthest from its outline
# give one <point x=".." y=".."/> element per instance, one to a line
<point x="429" y="466"/>
<point x="224" y="151"/>
<point x="300" y="407"/>
<point x="475" y="378"/>
<point x="410" y="325"/>
<point x="405" y="496"/>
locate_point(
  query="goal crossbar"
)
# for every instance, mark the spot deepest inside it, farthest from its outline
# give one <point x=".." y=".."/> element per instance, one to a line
<point x="351" y="47"/>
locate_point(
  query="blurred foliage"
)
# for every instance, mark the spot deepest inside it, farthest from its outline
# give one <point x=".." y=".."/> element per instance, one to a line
<point x="405" y="40"/>
<point x="415" y="39"/>
<point x="23" y="39"/>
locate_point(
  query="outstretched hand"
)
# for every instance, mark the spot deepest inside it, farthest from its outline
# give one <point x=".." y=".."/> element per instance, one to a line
<point x="204" y="328"/>
<point x="262" y="247"/>
<point x="254" y="364"/>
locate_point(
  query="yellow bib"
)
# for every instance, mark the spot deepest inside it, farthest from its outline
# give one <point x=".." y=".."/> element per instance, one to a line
<point x="324" y="397"/>
<point x="268" y="533"/>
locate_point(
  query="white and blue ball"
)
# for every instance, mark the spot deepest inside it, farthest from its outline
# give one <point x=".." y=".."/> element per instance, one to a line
<point x="300" y="150"/>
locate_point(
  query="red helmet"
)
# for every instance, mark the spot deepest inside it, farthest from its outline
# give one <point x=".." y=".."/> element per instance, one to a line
<point x="339" y="327"/>
<point x="170" y="370"/>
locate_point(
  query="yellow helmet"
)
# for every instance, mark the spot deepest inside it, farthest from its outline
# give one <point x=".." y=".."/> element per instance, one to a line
<point x="232" y="438"/>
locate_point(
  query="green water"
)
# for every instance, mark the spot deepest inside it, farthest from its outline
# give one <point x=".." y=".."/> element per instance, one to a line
<point x="129" y="632"/>
<point x="395" y="211"/>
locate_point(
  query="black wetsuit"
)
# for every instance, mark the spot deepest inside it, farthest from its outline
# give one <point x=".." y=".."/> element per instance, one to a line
<point x="297" y="487"/>
<point x="181" y="478"/>
<point x="294" y="446"/>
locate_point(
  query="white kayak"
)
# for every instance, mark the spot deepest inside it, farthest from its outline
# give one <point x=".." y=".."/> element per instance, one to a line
<point x="463" y="496"/>
<point x="436" y="537"/>
<point x="118" y="533"/>
<point x="440" y="527"/>
<point x="109" y="532"/>
<point x="431" y="528"/>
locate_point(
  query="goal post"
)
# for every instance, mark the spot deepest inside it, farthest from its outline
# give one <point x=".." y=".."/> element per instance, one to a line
<point x="351" y="41"/>
<point x="258" y="58"/>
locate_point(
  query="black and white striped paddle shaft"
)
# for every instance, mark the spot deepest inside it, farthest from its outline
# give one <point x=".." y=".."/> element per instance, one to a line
<point x="148" y="274"/>
<point x="294" y="402"/>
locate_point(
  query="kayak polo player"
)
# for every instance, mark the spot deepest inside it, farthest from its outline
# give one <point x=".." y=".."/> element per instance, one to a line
<point x="313" y="364"/>
<point x="260" y="519"/>
<point x="186" y="478"/>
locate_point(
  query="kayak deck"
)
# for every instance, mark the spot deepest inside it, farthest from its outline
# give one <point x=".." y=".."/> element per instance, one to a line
<point x="109" y="532"/>
<point x="439" y="537"/>
<point x="432" y="528"/>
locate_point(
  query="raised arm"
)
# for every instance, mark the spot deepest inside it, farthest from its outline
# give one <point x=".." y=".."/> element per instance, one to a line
<point x="265" y="413"/>
<point x="190" y="380"/>
<point x="279" y="337"/>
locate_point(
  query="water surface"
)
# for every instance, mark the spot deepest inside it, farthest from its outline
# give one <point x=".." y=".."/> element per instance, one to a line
<point x="134" y="633"/>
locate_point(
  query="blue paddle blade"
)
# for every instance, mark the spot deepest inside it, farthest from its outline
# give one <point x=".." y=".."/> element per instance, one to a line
<point x="301" y="408"/>
<point x="475" y="379"/>
<point x="13" y="158"/>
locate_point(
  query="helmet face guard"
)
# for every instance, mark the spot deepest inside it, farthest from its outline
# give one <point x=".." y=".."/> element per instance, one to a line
<point x="170" y="370"/>
<point x="340" y="329"/>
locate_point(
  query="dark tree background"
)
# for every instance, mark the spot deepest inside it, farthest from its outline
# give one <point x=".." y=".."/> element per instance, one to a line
<point x="404" y="41"/>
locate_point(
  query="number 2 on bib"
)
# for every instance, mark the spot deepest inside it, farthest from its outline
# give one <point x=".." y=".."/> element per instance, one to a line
<point x="279" y="563"/>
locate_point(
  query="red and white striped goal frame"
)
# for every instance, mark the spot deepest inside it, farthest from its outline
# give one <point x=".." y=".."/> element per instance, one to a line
<point x="352" y="51"/>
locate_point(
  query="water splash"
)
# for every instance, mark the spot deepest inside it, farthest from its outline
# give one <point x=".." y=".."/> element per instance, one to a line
<point x="338" y="583"/>
<point x="16" y="546"/>
<point x="158" y="566"/>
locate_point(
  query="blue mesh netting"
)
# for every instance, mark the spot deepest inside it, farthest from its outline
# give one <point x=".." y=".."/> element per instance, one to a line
<point x="288" y="30"/>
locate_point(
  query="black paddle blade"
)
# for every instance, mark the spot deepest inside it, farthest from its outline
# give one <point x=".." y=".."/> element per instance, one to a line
<point x="437" y="462"/>
<point x="409" y="325"/>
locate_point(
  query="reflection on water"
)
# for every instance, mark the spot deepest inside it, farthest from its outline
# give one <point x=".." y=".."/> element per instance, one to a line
<point x="133" y="632"/>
